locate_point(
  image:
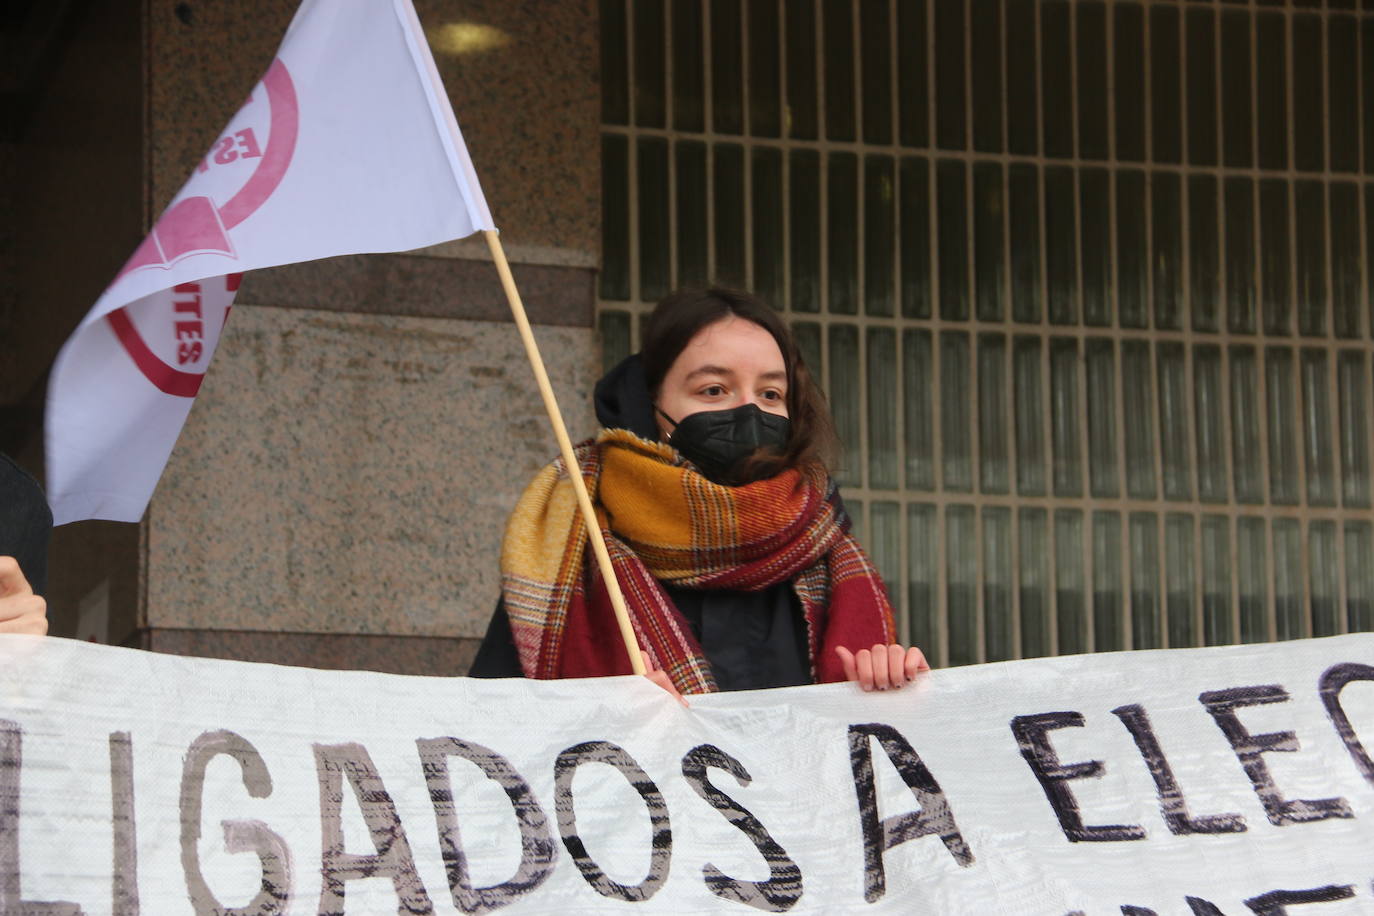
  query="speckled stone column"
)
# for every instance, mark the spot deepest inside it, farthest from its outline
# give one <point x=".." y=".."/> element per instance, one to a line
<point x="338" y="495"/>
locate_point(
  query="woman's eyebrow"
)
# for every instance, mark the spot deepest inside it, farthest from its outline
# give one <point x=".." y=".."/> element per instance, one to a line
<point x="708" y="370"/>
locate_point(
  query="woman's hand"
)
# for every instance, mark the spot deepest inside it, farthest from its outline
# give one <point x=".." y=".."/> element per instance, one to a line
<point x="659" y="677"/>
<point x="882" y="667"/>
<point x="21" y="611"/>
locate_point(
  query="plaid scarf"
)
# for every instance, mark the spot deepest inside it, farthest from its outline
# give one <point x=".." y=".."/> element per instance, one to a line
<point x="663" y="521"/>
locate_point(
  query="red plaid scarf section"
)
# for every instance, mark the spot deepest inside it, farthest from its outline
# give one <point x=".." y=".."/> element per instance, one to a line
<point x="667" y="522"/>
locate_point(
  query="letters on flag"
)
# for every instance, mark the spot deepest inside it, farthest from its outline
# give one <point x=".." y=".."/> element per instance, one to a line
<point x="347" y="145"/>
<point x="1230" y="781"/>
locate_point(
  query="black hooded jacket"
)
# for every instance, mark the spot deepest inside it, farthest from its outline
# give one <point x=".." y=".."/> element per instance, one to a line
<point x="752" y="640"/>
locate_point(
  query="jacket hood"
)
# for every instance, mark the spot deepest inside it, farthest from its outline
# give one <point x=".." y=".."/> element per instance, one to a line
<point x="622" y="400"/>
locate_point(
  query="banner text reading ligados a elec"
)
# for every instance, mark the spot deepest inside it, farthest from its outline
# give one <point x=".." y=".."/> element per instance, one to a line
<point x="1218" y="781"/>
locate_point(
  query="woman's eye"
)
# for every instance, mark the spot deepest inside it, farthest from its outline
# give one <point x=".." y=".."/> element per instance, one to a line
<point x="713" y="391"/>
<point x="771" y="395"/>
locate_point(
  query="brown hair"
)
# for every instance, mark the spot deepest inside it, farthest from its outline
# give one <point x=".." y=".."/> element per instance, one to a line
<point x="678" y="318"/>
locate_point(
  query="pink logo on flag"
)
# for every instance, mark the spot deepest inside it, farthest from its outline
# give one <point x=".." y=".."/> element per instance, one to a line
<point x="168" y="345"/>
<point x="195" y="225"/>
<point x="193" y="309"/>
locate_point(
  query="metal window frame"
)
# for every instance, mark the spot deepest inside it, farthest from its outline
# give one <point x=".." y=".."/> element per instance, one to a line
<point x="941" y="499"/>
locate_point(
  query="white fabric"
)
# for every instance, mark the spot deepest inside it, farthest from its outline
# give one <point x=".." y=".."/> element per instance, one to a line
<point x="347" y="145"/>
<point x="64" y="818"/>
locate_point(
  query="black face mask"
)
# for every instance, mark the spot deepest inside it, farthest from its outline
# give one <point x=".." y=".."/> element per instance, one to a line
<point x="718" y="441"/>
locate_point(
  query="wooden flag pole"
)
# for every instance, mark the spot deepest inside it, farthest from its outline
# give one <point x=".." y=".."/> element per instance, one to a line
<point x="584" y="501"/>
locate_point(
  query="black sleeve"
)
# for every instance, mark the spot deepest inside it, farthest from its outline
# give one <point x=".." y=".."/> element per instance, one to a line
<point x="496" y="657"/>
<point x="25" y="523"/>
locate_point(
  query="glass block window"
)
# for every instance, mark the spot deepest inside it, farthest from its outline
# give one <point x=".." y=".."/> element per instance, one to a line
<point x="1088" y="285"/>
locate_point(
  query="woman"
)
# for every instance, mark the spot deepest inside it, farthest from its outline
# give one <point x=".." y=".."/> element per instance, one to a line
<point x="728" y="537"/>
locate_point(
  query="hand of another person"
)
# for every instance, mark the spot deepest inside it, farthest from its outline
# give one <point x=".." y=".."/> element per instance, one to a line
<point x="660" y="678"/>
<point x="882" y="667"/>
<point x="21" y="611"/>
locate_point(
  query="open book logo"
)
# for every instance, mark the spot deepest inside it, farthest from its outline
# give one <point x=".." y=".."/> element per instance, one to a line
<point x="194" y="223"/>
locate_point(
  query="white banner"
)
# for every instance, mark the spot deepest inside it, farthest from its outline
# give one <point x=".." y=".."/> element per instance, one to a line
<point x="1214" y="781"/>
<point x="347" y="145"/>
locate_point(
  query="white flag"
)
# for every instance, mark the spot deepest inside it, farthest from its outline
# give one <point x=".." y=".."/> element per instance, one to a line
<point x="347" y="145"/>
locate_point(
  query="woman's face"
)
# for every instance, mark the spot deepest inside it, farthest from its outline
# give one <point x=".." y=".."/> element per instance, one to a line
<point x="727" y="364"/>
